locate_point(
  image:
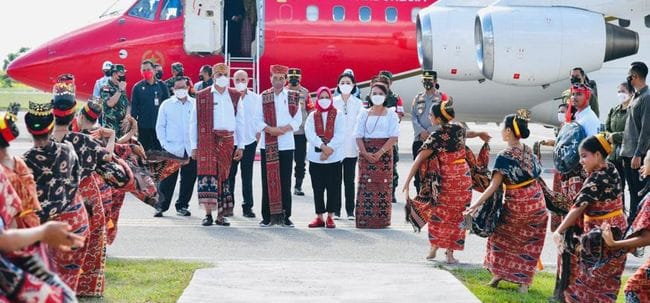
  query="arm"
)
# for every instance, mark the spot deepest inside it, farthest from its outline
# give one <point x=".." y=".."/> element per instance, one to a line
<point x="55" y="234"/>
<point x="194" y="129"/>
<point x="497" y="180"/>
<point x="422" y="156"/>
<point x="339" y="132"/>
<point x="639" y="240"/>
<point x="644" y="134"/>
<point x="161" y="125"/>
<point x="112" y="100"/>
<point x="483" y="135"/>
<point x="417" y="127"/>
<point x="310" y="132"/>
<point x="571" y="218"/>
<point x="608" y="121"/>
<point x="296" y="121"/>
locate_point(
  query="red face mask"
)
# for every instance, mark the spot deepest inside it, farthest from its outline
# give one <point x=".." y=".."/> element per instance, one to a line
<point x="147" y="74"/>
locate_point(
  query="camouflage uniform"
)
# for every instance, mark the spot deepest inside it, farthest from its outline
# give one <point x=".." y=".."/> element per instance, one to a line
<point x="112" y="116"/>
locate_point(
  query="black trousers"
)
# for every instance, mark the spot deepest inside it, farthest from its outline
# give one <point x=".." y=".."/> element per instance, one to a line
<point x="246" y="164"/>
<point x="300" y="154"/>
<point x="349" y="166"/>
<point x="395" y="174"/>
<point x="636" y="185"/>
<point x="286" y="161"/>
<point x="148" y="138"/>
<point x="326" y="177"/>
<point x="167" y="186"/>
<point x="621" y="172"/>
<point x="416" y="148"/>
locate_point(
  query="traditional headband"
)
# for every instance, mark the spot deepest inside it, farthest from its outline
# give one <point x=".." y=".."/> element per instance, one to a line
<point x="42" y="131"/>
<point x="62" y="113"/>
<point x="443" y="111"/>
<point x="604" y="143"/>
<point x="5" y="131"/>
<point x="90" y="113"/>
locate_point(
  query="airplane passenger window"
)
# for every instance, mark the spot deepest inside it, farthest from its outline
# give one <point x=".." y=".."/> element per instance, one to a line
<point x="172" y="10"/>
<point x="391" y="15"/>
<point x="338" y="13"/>
<point x="365" y="14"/>
<point x="286" y="12"/>
<point x="647" y="21"/>
<point x="623" y="23"/>
<point x="414" y="14"/>
<point x="145" y="9"/>
<point x="312" y="13"/>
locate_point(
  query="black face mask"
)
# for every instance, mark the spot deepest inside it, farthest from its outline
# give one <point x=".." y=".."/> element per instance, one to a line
<point x="294" y="81"/>
<point x="121" y="78"/>
<point x="437" y="86"/>
<point x="575" y="80"/>
<point x="428" y="85"/>
<point x="201" y="78"/>
<point x="159" y="75"/>
<point x="107" y="73"/>
<point x="179" y="74"/>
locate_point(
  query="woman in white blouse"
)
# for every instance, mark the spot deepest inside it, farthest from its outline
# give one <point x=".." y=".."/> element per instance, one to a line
<point x="350" y="106"/>
<point x="325" y="133"/>
<point x="376" y="132"/>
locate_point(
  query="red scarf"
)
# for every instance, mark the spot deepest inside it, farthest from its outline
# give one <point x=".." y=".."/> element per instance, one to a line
<point x="324" y="133"/>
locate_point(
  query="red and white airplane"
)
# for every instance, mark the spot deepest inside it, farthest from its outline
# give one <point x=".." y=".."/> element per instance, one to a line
<point x="494" y="57"/>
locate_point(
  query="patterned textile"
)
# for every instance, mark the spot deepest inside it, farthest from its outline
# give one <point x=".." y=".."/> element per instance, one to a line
<point x="18" y="286"/>
<point x="565" y="153"/>
<point x="117" y="200"/>
<point x="112" y="116"/>
<point x="145" y="186"/>
<point x="22" y="180"/>
<point x="374" y="201"/>
<point x="602" y="195"/>
<point x="556" y="220"/>
<point x="68" y="264"/>
<point x="515" y="246"/>
<point x="91" y="281"/>
<point x="56" y="171"/>
<point x="325" y="133"/>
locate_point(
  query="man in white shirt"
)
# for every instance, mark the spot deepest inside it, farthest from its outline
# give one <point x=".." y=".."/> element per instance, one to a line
<point x="174" y="117"/>
<point x="217" y="134"/>
<point x="251" y="103"/>
<point x="278" y="117"/>
<point x="106" y="69"/>
<point x="586" y="117"/>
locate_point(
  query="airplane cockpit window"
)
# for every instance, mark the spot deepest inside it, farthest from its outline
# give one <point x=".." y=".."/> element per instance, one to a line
<point x="312" y="13"/>
<point x="391" y="14"/>
<point x="172" y="10"/>
<point x="145" y="9"/>
<point x="365" y="14"/>
<point x="338" y="13"/>
<point x="414" y="14"/>
<point x="623" y="23"/>
<point x="647" y="21"/>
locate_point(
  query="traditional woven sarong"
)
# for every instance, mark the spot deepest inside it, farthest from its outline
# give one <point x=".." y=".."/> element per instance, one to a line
<point x="68" y="264"/>
<point x="91" y="280"/>
<point x="637" y="289"/>
<point x="374" y="192"/>
<point x="22" y="180"/>
<point x="19" y="286"/>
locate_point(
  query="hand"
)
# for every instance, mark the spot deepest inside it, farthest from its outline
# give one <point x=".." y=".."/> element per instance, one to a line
<point x="327" y="150"/>
<point x="371" y="158"/>
<point x="58" y="235"/>
<point x="257" y="137"/>
<point x="122" y="85"/>
<point x="644" y="171"/>
<point x="471" y="211"/>
<point x="138" y="150"/>
<point x="636" y="163"/>
<point x="274" y="131"/>
<point x="125" y="124"/>
<point x="485" y="136"/>
<point x="286" y="129"/>
<point x="607" y="235"/>
<point x="424" y="135"/>
<point x="405" y="190"/>
<point x="193" y="155"/>
<point x="239" y="153"/>
<point x="324" y="156"/>
<point x="558" y="239"/>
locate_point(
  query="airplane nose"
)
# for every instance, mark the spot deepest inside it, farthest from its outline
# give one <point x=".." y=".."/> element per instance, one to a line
<point x="32" y="68"/>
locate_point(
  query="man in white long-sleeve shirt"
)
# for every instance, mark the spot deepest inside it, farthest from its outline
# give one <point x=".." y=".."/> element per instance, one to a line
<point x="278" y="117"/>
<point x="174" y="117"/>
<point x="217" y="131"/>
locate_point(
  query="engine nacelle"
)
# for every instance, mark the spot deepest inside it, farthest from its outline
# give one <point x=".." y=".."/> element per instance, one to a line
<point x="529" y="46"/>
<point x="445" y="41"/>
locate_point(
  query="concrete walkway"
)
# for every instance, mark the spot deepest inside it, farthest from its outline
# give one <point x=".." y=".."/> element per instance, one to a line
<point x="299" y="281"/>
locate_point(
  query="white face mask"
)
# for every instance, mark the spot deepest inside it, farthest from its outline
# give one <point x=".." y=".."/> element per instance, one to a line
<point x="346" y="89"/>
<point x="561" y="117"/>
<point x="180" y="93"/>
<point x="377" y="99"/>
<point x="324" y="103"/>
<point x="622" y="97"/>
<point x="222" y="81"/>
<point x="241" y="86"/>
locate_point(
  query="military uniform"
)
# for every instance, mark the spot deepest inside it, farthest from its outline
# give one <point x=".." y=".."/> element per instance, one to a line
<point x="300" y="153"/>
<point x="112" y="117"/>
<point x="177" y="70"/>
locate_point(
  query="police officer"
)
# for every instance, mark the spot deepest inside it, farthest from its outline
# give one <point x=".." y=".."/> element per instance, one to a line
<point x="422" y="126"/>
<point x="115" y="103"/>
<point x="306" y="106"/>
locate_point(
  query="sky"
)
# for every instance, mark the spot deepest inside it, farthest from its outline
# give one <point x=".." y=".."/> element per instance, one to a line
<point x="32" y="23"/>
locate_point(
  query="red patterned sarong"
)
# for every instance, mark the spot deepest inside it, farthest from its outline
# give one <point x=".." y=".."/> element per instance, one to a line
<point x="91" y="280"/>
<point x="272" y="151"/>
<point x="213" y="190"/>
<point x="374" y="191"/>
<point x="455" y="195"/>
<point x="68" y="264"/>
<point x="638" y="286"/>
<point x="516" y="244"/>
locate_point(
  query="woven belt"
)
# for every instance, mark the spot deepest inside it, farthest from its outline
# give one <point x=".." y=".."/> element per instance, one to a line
<point x="520" y="185"/>
<point x="459" y="161"/>
<point x="223" y="133"/>
<point x="613" y="214"/>
<point x="25" y="213"/>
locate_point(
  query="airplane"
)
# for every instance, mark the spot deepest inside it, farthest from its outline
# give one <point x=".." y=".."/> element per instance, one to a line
<point x="521" y="60"/>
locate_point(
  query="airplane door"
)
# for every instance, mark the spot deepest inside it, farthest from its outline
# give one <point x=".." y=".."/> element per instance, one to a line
<point x="202" y="28"/>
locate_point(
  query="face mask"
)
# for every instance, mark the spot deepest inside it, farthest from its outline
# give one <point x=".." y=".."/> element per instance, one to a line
<point x="294" y="81"/>
<point x="121" y="78"/>
<point x="427" y="85"/>
<point x="107" y="73"/>
<point x="180" y="93"/>
<point x="561" y="117"/>
<point x="277" y="84"/>
<point x="200" y="77"/>
<point x="324" y="103"/>
<point x="147" y="75"/>
<point x="159" y="75"/>
<point x="575" y="80"/>
<point x="241" y="87"/>
<point x="622" y="97"/>
<point x="345" y="89"/>
<point x="378" y="99"/>
<point x="222" y="81"/>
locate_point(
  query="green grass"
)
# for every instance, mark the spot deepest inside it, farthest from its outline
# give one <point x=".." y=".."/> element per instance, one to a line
<point x="146" y="280"/>
<point x="476" y="280"/>
<point x="22" y="95"/>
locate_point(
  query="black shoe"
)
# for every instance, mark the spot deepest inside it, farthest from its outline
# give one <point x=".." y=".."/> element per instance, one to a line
<point x="298" y="191"/>
<point x="183" y="212"/>
<point x="222" y="222"/>
<point x="249" y="213"/>
<point x="265" y="223"/>
<point x="158" y="213"/>
<point x="207" y="221"/>
<point x="287" y="222"/>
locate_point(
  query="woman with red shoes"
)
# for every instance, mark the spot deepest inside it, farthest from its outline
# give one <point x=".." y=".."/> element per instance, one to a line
<point x="325" y="132"/>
